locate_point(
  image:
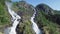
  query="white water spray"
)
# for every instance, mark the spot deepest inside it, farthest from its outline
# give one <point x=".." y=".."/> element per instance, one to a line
<point x="15" y="18"/>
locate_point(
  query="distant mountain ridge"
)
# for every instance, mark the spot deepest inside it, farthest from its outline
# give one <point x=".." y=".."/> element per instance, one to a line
<point x="45" y="8"/>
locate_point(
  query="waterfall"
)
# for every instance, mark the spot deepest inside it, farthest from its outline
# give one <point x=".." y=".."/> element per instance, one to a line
<point x="15" y="18"/>
<point x="34" y="25"/>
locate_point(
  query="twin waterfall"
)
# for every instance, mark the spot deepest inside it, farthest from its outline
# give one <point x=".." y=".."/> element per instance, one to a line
<point x="16" y="18"/>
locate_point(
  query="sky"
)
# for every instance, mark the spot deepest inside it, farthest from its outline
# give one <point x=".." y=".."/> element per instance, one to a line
<point x="54" y="4"/>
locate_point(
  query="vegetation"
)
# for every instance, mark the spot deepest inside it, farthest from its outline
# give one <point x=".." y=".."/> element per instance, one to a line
<point x="25" y="28"/>
<point x="46" y="21"/>
<point x="46" y="18"/>
<point x="25" y="11"/>
<point x="56" y="12"/>
<point x="4" y="16"/>
<point x="47" y="24"/>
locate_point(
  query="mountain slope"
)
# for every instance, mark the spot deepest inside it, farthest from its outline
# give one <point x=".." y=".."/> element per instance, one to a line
<point x="45" y="8"/>
<point x="49" y="13"/>
<point x="45" y="20"/>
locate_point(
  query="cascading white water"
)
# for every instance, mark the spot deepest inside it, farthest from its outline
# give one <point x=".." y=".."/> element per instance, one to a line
<point x="15" y="18"/>
<point x="34" y="25"/>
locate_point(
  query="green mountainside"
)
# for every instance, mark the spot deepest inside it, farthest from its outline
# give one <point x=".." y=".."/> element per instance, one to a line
<point x="4" y="16"/>
<point x="47" y="19"/>
<point x="56" y="12"/>
<point x="25" y="10"/>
